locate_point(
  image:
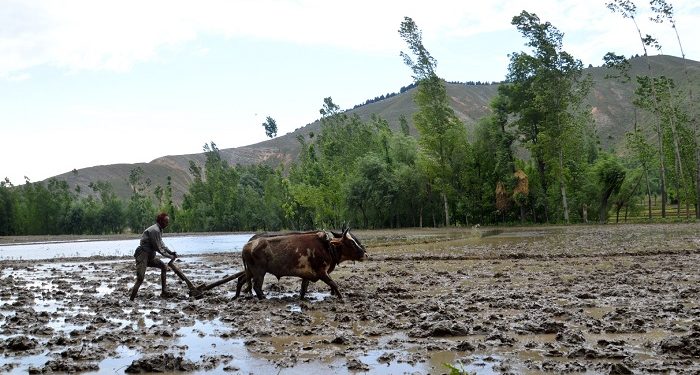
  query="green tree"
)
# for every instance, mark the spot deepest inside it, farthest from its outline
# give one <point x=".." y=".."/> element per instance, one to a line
<point x="319" y="181"/>
<point x="7" y="209"/>
<point x="60" y="199"/>
<point x="108" y="214"/>
<point x="544" y="93"/>
<point x="373" y="189"/>
<point x="138" y="183"/>
<point x="76" y="222"/>
<point x="226" y="198"/>
<point x="610" y="174"/>
<point x="493" y="163"/>
<point x="629" y="190"/>
<point x="140" y="210"/>
<point x="645" y="156"/>
<point x="403" y="124"/>
<point x="442" y="134"/>
<point x="270" y="126"/>
<point x="168" y="206"/>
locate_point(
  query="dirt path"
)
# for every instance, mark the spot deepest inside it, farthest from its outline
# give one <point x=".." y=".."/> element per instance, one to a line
<point x="598" y="300"/>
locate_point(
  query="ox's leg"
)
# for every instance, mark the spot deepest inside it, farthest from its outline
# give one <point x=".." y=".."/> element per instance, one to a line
<point x="304" y="286"/>
<point x="246" y="279"/>
<point x="249" y="286"/>
<point x="334" y="287"/>
<point x="257" y="285"/>
<point x="239" y="284"/>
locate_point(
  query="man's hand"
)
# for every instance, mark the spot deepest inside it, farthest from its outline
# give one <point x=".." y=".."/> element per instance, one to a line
<point x="174" y="255"/>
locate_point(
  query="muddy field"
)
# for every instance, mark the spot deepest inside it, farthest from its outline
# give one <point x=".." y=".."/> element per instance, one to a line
<point x="579" y="299"/>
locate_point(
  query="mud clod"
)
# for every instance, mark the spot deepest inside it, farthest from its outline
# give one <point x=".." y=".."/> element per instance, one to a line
<point x="160" y="363"/>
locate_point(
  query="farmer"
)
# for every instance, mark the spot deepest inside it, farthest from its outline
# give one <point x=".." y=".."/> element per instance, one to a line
<point x="152" y="241"/>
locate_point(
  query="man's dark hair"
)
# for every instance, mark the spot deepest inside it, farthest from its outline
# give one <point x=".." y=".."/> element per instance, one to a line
<point x="161" y="218"/>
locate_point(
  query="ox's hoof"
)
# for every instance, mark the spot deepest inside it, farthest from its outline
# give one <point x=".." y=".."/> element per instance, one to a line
<point x="166" y="295"/>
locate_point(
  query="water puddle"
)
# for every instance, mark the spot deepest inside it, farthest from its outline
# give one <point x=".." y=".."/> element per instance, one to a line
<point x="21" y="365"/>
<point x="184" y="245"/>
<point x="598" y="312"/>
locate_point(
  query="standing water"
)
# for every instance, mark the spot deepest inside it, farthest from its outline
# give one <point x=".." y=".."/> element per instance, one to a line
<point x="183" y="245"/>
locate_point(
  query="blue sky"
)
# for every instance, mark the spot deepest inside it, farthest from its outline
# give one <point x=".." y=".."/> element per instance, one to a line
<point x="90" y="82"/>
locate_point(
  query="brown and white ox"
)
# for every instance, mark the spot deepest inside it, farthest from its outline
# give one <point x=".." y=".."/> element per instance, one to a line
<point x="311" y="256"/>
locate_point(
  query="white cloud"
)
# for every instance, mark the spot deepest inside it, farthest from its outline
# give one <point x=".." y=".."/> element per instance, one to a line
<point x="115" y="35"/>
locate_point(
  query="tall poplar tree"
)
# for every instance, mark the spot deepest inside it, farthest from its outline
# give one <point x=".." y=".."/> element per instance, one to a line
<point x="442" y="134"/>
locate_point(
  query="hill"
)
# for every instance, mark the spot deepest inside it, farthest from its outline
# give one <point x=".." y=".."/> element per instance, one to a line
<point x="610" y="101"/>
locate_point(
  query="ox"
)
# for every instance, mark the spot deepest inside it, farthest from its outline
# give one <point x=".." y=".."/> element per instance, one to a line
<point x="243" y="278"/>
<point x="311" y="256"/>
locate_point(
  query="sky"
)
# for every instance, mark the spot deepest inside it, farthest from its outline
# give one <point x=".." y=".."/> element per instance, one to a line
<point x="92" y="82"/>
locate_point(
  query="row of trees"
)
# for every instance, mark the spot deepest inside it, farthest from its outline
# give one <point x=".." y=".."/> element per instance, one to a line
<point x="536" y="158"/>
<point x="540" y="110"/>
<point x="53" y="208"/>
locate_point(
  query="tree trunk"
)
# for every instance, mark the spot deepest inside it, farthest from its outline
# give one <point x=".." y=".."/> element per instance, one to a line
<point x="646" y="177"/>
<point x="662" y="170"/>
<point x="564" y="201"/>
<point x="542" y="169"/>
<point x="678" y="200"/>
<point x="630" y="197"/>
<point x="603" y="216"/>
<point x="659" y="132"/>
<point x="447" y="210"/>
<point x="679" y="162"/>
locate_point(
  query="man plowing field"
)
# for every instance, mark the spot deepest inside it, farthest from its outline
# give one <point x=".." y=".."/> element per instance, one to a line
<point x="145" y="254"/>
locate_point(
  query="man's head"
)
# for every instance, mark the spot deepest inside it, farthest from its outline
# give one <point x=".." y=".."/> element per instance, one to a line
<point x="163" y="220"/>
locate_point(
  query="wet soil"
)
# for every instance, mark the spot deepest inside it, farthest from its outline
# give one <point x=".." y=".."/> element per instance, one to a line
<point x="578" y="299"/>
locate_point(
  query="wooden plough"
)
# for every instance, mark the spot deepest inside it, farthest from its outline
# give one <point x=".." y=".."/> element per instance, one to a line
<point x="197" y="291"/>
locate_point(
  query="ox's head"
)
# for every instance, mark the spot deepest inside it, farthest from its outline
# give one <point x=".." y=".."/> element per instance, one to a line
<point x="349" y="246"/>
